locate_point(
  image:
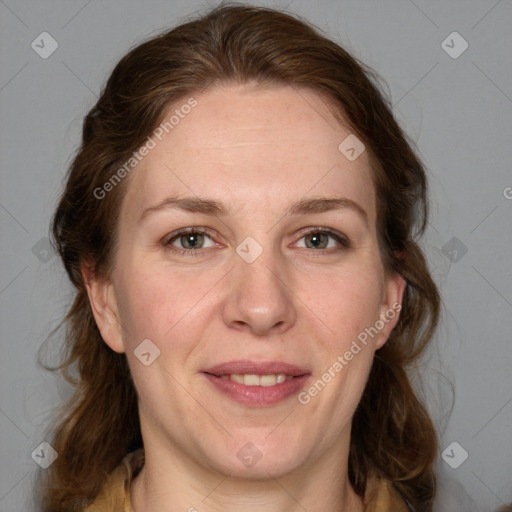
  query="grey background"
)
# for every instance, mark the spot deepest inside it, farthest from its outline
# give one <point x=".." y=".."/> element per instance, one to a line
<point x="457" y="110"/>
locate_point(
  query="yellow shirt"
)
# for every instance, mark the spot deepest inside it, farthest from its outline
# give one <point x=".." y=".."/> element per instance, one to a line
<point x="115" y="495"/>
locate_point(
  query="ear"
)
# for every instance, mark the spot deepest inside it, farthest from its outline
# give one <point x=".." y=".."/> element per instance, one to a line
<point x="104" y="308"/>
<point x="390" y="307"/>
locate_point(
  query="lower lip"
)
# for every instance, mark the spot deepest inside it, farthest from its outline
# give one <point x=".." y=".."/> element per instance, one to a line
<point x="258" y="396"/>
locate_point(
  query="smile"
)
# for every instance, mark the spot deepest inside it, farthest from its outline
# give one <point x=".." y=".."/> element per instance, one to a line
<point x="251" y="379"/>
<point x="257" y="383"/>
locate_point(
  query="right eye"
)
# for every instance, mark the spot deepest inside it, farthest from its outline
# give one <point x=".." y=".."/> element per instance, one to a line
<point x="190" y="240"/>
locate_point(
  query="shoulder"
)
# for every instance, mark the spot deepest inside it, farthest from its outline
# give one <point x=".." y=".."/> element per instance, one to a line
<point x="381" y="496"/>
<point x="115" y="496"/>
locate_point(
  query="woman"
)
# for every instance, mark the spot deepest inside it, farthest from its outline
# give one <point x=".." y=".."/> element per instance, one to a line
<point x="241" y="225"/>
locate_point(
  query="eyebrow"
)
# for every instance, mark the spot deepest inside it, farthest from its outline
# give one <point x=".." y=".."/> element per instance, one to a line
<point x="212" y="207"/>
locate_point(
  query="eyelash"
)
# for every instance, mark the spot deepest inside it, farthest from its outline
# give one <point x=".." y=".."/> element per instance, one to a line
<point x="340" y="238"/>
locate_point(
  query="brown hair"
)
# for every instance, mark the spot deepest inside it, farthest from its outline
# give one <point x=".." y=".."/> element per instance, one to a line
<point x="392" y="435"/>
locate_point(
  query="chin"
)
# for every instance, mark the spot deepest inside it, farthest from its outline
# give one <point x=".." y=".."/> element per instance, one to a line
<point x="260" y="460"/>
<point x="263" y="470"/>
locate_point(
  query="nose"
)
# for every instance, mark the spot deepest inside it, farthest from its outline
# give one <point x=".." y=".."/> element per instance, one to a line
<point x="260" y="300"/>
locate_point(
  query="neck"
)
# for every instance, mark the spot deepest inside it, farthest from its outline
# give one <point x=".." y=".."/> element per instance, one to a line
<point x="172" y="482"/>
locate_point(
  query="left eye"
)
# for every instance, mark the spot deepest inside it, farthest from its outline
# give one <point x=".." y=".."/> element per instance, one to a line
<point x="319" y="239"/>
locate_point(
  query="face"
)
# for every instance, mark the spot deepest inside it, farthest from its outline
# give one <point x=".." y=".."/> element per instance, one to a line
<point x="248" y="246"/>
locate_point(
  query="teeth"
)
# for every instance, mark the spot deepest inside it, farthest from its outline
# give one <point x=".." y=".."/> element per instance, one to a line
<point x="237" y="378"/>
<point x="258" y="380"/>
<point x="252" y="380"/>
<point x="269" y="380"/>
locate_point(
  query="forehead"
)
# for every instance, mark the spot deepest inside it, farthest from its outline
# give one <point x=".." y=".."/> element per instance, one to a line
<point x="252" y="147"/>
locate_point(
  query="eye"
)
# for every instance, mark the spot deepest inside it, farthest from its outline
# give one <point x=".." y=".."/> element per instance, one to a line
<point x="321" y="239"/>
<point x="188" y="241"/>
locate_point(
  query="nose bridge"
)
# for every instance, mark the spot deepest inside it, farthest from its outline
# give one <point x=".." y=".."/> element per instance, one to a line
<point x="259" y="297"/>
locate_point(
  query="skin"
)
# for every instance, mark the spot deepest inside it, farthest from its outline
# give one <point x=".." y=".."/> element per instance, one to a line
<point x="259" y="150"/>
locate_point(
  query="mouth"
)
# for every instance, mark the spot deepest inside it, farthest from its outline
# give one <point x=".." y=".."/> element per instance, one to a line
<point x="252" y="379"/>
<point x="257" y="384"/>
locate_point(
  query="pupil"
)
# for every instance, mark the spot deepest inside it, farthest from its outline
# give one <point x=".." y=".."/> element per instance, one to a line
<point x="191" y="240"/>
<point x="316" y="240"/>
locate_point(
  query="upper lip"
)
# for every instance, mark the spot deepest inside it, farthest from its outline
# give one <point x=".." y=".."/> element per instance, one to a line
<point x="256" y="368"/>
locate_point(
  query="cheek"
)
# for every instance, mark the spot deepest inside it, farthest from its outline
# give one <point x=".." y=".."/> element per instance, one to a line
<point x="174" y="305"/>
<point x="160" y="305"/>
<point x="346" y="302"/>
